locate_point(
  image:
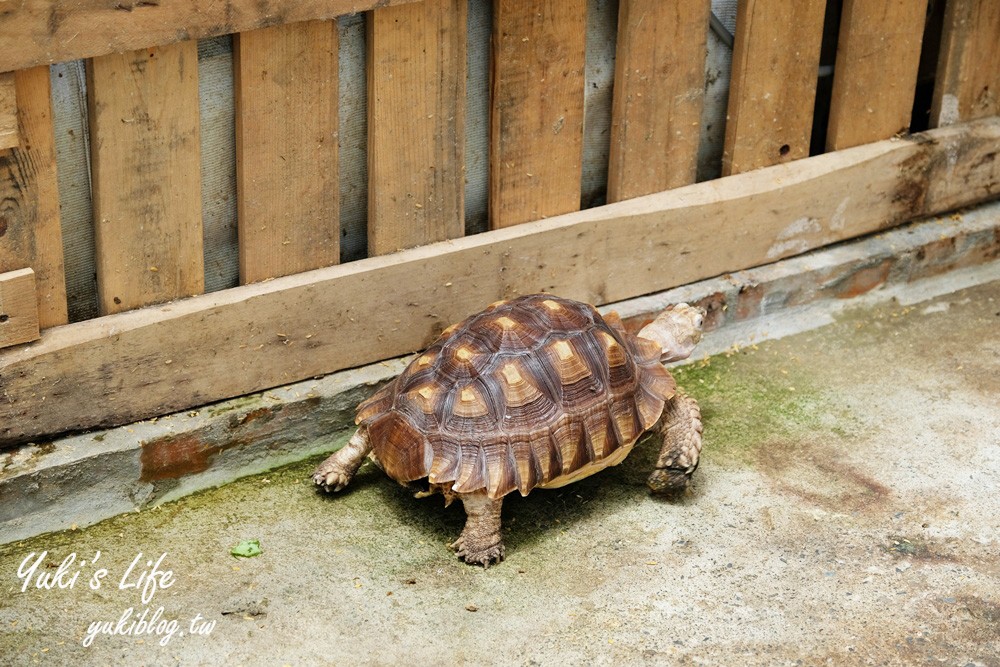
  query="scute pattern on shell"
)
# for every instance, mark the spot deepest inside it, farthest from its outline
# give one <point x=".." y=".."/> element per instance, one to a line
<point x="516" y="396"/>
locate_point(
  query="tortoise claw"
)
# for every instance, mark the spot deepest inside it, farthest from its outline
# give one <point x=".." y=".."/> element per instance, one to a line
<point x="670" y="482"/>
<point x="331" y="478"/>
<point x="475" y="554"/>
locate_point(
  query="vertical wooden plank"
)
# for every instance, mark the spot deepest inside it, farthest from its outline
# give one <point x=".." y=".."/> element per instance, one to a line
<point x="536" y="110"/>
<point x="30" y="235"/>
<point x="968" y="74"/>
<point x="8" y="111"/>
<point x="773" y="89"/>
<point x="288" y="200"/>
<point x="416" y="124"/>
<point x="875" y="76"/>
<point x="658" y="96"/>
<point x="146" y="176"/>
<point x="18" y="308"/>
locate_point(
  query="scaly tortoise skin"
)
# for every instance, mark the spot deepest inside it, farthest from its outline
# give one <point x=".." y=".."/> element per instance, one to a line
<point x="536" y="392"/>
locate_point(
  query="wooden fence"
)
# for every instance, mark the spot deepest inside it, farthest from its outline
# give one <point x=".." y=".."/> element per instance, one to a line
<point x="160" y="345"/>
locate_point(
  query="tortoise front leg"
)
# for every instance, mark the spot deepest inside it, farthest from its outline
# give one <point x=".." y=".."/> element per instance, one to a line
<point x="681" y="428"/>
<point x="480" y="542"/>
<point x="337" y="471"/>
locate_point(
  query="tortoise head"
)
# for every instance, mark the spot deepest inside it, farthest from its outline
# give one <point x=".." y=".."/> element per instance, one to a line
<point x="676" y="330"/>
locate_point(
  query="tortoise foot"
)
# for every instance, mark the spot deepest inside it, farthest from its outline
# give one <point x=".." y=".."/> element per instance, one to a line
<point x="680" y="427"/>
<point x="475" y="552"/>
<point x="669" y="481"/>
<point x="338" y="470"/>
<point x="480" y="542"/>
<point x="331" y="477"/>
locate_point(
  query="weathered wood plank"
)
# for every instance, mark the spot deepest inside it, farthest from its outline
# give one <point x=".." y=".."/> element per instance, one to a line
<point x="8" y="111"/>
<point x="146" y="176"/>
<point x="155" y="360"/>
<point x="536" y="112"/>
<point x="30" y="235"/>
<point x="33" y="32"/>
<point x="286" y="149"/>
<point x="416" y="124"/>
<point x="876" y="71"/>
<point x="968" y="75"/>
<point x="18" y="308"/>
<point x="658" y="96"/>
<point x="773" y="86"/>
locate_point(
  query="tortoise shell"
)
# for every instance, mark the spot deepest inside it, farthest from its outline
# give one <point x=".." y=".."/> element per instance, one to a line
<point x="538" y="391"/>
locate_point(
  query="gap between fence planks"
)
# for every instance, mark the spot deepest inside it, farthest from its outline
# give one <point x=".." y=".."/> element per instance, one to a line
<point x="416" y="124"/>
<point x="18" y="308"/>
<point x="968" y="74"/>
<point x="146" y="176"/>
<point x="156" y="360"/>
<point x="30" y="234"/>
<point x="288" y="200"/>
<point x="8" y="111"/>
<point x="536" y="109"/>
<point x="658" y="95"/>
<point x="35" y="32"/>
<point x="773" y="85"/>
<point x="875" y="76"/>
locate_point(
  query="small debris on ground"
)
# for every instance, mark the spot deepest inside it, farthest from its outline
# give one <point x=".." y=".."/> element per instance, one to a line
<point x="247" y="549"/>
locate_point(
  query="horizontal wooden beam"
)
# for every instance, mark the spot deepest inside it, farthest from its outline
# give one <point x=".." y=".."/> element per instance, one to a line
<point x="161" y="359"/>
<point x="35" y="32"/>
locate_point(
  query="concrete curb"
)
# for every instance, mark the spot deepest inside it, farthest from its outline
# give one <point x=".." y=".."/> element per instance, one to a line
<point x="82" y="479"/>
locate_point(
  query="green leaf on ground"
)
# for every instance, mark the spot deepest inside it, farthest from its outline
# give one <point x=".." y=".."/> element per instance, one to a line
<point x="247" y="549"/>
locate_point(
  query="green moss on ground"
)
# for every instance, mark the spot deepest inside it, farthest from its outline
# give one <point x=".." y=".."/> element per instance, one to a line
<point x="757" y="396"/>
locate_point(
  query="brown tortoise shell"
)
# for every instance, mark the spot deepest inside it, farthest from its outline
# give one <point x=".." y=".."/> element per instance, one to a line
<point x="520" y="395"/>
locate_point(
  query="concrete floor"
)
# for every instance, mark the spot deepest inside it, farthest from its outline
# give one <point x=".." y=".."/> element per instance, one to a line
<point x="847" y="511"/>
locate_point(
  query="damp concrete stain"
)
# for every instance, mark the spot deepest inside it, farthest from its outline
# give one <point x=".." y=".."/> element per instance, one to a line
<point x="825" y="498"/>
<point x="818" y="476"/>
<point x="917" y="548"/>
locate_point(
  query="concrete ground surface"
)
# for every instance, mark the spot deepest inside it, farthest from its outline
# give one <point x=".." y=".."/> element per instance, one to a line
<point x="846" y="512"/>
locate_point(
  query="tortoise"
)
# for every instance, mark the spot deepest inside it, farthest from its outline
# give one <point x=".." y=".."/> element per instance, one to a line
<point x="535" y="392"/>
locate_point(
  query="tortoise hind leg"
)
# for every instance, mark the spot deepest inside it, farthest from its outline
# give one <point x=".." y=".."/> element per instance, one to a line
<point x="337" y="471"/>
<point x="681" y="429"/>
<point x="480" y="542"/>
